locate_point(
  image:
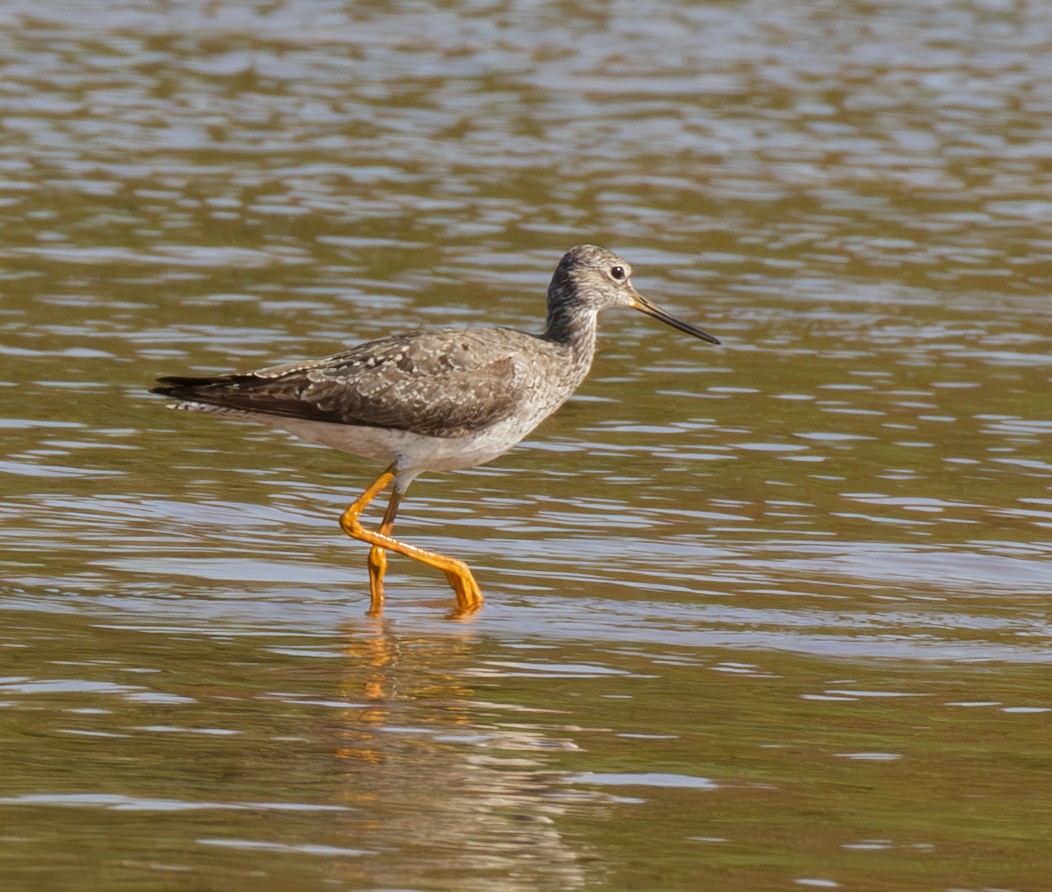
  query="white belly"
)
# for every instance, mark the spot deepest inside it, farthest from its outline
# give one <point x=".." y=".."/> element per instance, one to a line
<point x="413" y="453"/>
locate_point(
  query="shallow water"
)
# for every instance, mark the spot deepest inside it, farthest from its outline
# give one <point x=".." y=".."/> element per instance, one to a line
<point x="759" y="616"/>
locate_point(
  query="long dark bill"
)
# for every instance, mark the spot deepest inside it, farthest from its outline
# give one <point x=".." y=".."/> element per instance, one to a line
<point x="645" y="306"/>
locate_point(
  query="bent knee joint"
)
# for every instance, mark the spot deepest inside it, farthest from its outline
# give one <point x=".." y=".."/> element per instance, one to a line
<point x="350" y="524"/>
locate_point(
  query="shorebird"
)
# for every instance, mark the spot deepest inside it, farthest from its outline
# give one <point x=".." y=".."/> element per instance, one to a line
<point x="432" y="400"/>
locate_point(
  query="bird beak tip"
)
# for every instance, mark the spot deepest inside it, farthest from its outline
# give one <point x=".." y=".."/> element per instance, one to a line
<point x="646" y="307"/>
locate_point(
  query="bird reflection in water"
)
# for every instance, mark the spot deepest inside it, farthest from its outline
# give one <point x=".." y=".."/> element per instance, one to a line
<point x="446" y="783"/>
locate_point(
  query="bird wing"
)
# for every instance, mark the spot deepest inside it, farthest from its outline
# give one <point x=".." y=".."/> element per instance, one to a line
<point x="446" y="383"/>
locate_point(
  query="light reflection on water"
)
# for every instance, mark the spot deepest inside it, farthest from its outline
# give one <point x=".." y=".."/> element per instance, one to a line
<point x="729" y="588"/>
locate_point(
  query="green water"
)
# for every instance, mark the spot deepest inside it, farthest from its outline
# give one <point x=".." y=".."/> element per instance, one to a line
<point x="764" y="616"/>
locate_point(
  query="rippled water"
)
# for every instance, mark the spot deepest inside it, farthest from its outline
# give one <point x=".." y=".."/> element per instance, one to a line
<point x="767" y="615"/>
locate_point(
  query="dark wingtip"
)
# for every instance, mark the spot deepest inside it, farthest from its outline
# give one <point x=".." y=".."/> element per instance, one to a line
<point x="179" y="386"/>
<point x="167" y="390"/>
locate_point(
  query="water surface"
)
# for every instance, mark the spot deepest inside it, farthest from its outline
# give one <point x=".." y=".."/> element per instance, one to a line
<point x="762" y="616"/>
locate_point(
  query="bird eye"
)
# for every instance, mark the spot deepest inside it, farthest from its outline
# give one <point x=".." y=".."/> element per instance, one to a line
<point x="618" y="272"/>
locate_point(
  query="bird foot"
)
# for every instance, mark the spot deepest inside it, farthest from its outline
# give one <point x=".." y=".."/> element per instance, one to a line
<point x="469" y="595"/>
<point x="377" y="568"/>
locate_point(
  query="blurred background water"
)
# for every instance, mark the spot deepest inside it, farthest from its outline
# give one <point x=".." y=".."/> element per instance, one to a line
<point x="762" y="616"/>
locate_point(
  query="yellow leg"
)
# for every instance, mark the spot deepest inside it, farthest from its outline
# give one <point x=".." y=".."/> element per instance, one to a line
<point x="469" y="596"/>
<point x="378" y="557"/>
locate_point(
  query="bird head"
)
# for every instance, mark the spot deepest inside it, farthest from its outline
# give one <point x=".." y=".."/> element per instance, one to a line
<point x="590" y="279"/>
